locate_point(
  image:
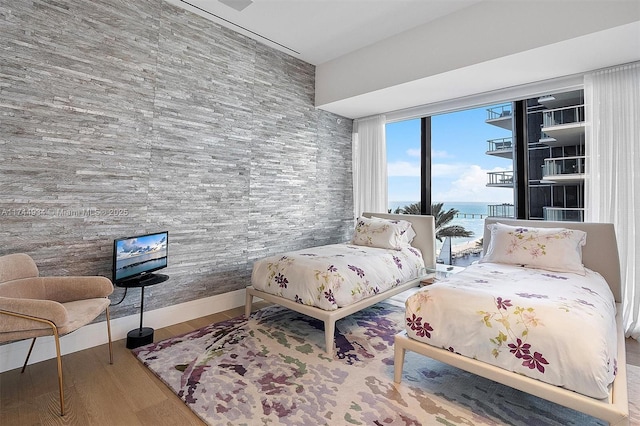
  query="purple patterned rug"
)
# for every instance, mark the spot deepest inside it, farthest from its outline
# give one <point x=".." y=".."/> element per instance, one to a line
<point x="272" y="369"/>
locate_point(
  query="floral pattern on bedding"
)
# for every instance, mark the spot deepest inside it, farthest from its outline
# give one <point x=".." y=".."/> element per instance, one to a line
<point x="556" y="327"/>
<point x="514" y="324"/>
<point x="332" y="276"/>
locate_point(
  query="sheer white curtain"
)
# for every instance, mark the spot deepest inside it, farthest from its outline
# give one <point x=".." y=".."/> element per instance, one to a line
<point x="612" y="188"/>
<point x="369" y="165"/>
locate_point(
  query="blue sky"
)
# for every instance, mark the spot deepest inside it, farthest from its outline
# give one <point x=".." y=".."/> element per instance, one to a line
<point x="460" y="165"/>
<point x="143" y="245"/>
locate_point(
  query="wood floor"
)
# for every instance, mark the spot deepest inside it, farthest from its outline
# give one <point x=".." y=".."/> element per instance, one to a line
<point x="97" y="393"/>
<point x="124" y="393"/>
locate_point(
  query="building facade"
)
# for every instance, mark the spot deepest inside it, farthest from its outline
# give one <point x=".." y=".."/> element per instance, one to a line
<point x="554" y="147"/>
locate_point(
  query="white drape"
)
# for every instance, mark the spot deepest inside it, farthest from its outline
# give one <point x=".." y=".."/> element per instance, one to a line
<point x="369" y="165"/>
<point x="612" y="186"/>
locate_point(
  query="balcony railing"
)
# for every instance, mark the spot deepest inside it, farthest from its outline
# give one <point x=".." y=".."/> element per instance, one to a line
<point x="565" y="115"/>
<point x="563" y="166"/>
<point x="499" y="112"/>
<point x="563" y="214"/>
<point x="500" y="178"/>
<point x="501" y="210"/>
<point x="500" y="144"/>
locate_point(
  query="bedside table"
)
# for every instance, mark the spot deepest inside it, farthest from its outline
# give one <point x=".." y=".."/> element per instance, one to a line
<point x="440" y="272"/>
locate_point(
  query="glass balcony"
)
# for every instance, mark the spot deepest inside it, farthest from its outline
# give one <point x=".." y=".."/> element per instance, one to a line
<point x="563" y="214"/>
<point x="500" y="144"/>
<point x="562" y="166"/>
<point x="501" y="210"/>
<point x="562" y="116"/>
<point x="499" y="111"/>
<point x="503" y="179"/>
<point x="502" y="147"/>
<point x="500" y="116"/>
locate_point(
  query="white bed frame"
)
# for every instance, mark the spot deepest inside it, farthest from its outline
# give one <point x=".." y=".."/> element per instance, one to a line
<point x="424" y="227"/>
<point x="600" y="254"/>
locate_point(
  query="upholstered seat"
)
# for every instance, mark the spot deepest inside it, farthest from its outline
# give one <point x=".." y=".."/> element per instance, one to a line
<point x="32" y="306"/>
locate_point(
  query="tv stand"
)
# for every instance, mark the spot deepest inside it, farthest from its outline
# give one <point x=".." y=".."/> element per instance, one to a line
<point x="143" y="335"/>
<point x="143" y="280"/>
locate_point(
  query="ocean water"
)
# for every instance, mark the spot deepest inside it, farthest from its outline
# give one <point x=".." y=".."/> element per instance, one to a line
<point x="474" y="221"/>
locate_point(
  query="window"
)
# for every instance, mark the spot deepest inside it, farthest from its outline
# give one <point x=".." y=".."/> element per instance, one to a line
<point x="468" y="159"/>
<point x="459" y="144"/>
<point x="403" y="163"/>
<point x="457" y="147"/>
<point x="551" y="138"/>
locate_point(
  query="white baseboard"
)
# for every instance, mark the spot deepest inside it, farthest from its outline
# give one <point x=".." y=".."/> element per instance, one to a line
<point x="12" y="355"/>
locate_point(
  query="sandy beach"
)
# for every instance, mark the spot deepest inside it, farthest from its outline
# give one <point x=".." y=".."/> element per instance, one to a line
<point x="466" y="253"/>
<point x="468" y="247"/>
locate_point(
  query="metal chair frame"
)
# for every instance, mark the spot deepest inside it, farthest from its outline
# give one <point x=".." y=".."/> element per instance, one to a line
<point x="56" y="336"/>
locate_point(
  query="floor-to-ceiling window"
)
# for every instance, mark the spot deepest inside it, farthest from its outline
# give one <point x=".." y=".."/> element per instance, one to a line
<point x="460" y="172"/>
<point x="470" y="157"/>
<point x="404" y="160"/>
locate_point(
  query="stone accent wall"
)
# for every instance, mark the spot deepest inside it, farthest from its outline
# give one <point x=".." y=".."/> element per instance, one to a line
<point x="119" y="118"/>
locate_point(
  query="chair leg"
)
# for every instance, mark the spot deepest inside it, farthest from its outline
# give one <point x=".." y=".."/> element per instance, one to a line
<point x="56" y="337"/>
<point x="109" y="334"/>
<point x="33" y="342"/>
<point x="59" y="358"/>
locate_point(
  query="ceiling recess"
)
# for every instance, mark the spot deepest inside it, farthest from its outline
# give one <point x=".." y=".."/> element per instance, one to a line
<point x="238" y="5"/>
<point x="227" y="21"/>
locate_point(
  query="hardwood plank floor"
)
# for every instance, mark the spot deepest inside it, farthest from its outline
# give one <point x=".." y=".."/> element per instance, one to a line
<point x="125" y="393"/>
<point x="97" y="393"/>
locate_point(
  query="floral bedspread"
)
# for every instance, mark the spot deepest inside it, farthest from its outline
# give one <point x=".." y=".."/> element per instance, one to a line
<point x="556" y="327"/>
<point x="336" y="275"/>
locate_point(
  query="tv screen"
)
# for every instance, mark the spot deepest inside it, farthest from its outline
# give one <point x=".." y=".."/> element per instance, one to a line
<point x="139" y="255"/>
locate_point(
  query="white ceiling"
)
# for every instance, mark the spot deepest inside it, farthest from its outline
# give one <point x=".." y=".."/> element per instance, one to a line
<point x="571" y="57"/>
<point x="318" y="31"/>
<point x="327" y="33"/>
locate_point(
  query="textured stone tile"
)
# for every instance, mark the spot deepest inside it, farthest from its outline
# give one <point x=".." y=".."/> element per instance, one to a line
<point x="119" y="118"/>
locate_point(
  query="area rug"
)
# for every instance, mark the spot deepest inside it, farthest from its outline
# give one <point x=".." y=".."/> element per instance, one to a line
<point x="272" y="369"/>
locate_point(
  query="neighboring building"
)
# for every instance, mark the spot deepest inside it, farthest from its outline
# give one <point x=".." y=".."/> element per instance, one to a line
<point x="501" y="116"/>
<point x="557" y="186"/>
<point x="555" y="156"/>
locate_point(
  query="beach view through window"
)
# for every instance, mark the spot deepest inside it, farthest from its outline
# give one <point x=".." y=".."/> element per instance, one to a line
<point x="460" y="169"/>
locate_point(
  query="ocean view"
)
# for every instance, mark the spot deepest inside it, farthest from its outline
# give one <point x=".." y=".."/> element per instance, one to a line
<point x="473" y="224"/>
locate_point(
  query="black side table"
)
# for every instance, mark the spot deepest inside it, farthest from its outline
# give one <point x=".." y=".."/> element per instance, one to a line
<point x="143" y="335"/>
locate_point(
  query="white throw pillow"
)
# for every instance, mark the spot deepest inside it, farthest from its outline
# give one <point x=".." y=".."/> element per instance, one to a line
<point x="553" y="249"/>
<point x="381" y="233"/>
<point x="409" y="235"/>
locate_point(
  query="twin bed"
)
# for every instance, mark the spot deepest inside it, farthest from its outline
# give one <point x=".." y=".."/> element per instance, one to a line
<point x="326" y="279"/>
<point x="552" y="329"/>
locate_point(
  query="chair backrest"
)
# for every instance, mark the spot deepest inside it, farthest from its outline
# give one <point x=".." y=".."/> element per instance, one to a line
<point x="17" y="266"/>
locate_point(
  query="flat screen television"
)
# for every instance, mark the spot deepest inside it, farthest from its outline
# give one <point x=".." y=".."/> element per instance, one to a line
<point x="134" y="258"/>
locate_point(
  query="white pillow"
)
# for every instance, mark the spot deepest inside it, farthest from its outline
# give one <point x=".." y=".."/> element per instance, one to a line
<point x="553" y="249"/>
<point x="381" y="233"/>
<point x="409" y="235"/>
